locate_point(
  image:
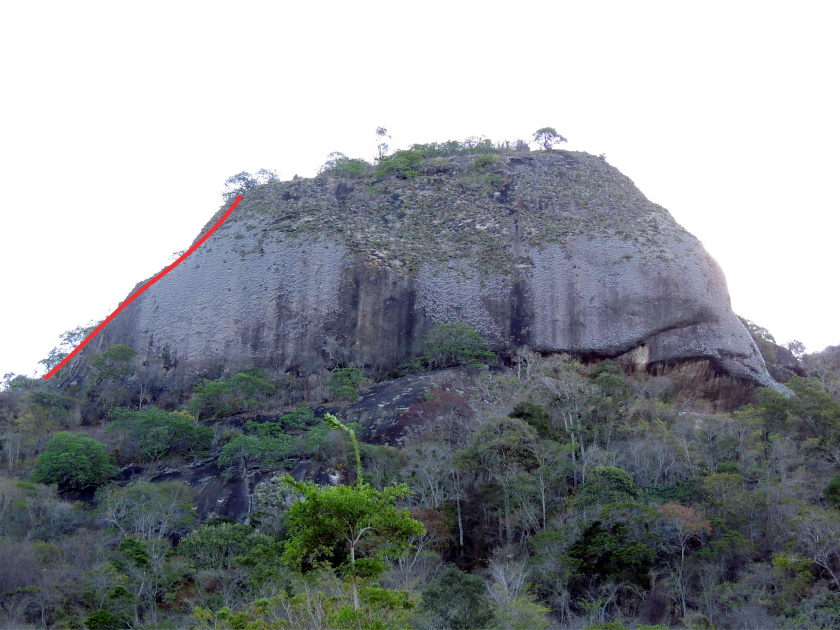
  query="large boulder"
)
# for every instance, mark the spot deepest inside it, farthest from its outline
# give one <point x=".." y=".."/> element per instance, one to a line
<point x="557" y="251"/>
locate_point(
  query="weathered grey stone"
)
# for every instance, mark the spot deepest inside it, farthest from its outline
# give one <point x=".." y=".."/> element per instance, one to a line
<point x="560" y="252"/>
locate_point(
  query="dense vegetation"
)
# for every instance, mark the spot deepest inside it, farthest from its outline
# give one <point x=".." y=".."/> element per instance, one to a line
<point x="528" y="491"/>
<point x="543" y="494"/>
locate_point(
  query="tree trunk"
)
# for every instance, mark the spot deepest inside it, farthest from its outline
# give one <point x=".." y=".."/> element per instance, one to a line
<point x="355" y="583"/>
<point x="508" y="534"/>
<point x="458" y="506"/>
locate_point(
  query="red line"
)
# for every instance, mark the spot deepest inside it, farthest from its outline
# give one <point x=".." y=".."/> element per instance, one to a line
<point x="134" y="295"/>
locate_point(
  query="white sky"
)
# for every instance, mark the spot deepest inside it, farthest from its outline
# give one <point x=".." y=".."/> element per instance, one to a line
<point x="119" y="123"/>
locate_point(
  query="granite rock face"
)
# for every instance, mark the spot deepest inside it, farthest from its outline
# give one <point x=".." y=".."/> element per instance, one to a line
<point x="557" y="251"/>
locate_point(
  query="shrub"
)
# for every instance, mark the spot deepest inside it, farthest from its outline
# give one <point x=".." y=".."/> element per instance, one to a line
<point x="459" y="599"/>
<point x="158" y="433"/>
<point x="300" y="418"/>
<point x="114" y="363"/>
<point x="607" y="366"/>
<point x="74" y="461"/>
<point x="342" y="384"/>
<point x="269" y="444"/>
<point x="401" y="164"/>
<point x="104" y="619"/>
<point x="340" y="165"/>
<point x="452" y="344"/>
<point x="226" y="396"/>
<point x="216" y="546"/>
<point x="832" y="492"/>
<point x="606" y="484"/>
<point x="485" y="161"/>
<point x="471" y="145"/>
<point x="534" y="415"/>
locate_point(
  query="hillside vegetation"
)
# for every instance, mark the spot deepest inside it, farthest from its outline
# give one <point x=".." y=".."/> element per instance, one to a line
<point x="469" y="484"/>
<point x="546" y="494"/>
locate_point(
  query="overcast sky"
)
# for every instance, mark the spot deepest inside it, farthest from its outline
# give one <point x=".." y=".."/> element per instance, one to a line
<point x="119" y="123"/>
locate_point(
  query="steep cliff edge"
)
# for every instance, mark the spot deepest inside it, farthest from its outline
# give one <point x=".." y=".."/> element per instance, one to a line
<point x="557" y="251"/>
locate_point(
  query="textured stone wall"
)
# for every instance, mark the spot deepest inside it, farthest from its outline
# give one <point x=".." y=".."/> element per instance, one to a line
<point x="302" y="275"/>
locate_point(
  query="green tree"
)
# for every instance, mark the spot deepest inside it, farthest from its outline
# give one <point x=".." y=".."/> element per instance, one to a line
<point x="606" y="484"/>
<point x="343" y="383"/>
<point x="242" y="182"/>
<point x="74" y="461"/>
<point x="340" y="165"/>
<point x="547" y="138"/>
<point x="237" y="393"/>
<point x="401" y="164"/>
<point x="458" y="599"/>
<point x="158" y="433"/>
<point x="238" y="453"/>
<point x="216" y="546"/>
<point x="453" y="344"/>
<point x="114" y="363"/>
<point x="69" y="340"/>
<point x="357" y="517"/>
<point x="502" y="449"/>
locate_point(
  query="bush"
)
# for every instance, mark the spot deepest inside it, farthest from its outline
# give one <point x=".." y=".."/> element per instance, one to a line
<point x="158" y="433"/>
<point x="459" y="599"/>
<point x="606" y="484"/>
<point x="74" y="461"/>
<point x="269" y="444"/>
<point x="103" y="619"/>
<point x="452" y="344"/>
<point x="401" y="164"/>
<point x="607" y="366"/>
<point x="534" y="415"/>
<point x="340" y="165"/>
<point x="216" y="546"/>
<point x="832" y="492"/>
<point x="485" y="162"/>
<point x="342" y="384"/>
<point x="113" y="364"/>
<point x="226" y="396"/>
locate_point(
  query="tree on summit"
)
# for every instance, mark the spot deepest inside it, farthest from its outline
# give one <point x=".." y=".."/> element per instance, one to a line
<point x="547" y="138"/>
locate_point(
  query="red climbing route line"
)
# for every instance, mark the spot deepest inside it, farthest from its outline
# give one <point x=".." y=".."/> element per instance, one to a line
<point x="134" y="295"/>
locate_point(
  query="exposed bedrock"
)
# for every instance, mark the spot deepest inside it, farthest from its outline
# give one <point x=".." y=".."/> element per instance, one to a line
<point x="615" y="281"/>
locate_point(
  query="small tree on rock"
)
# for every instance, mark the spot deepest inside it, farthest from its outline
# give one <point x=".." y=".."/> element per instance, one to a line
<point x="547" y="138"/>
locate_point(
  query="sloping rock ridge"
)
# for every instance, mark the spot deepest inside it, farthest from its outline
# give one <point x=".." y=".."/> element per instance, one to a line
<point x="557" y="251"/>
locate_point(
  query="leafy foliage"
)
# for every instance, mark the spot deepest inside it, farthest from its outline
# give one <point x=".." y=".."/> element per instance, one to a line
<point x="74" y="461"/>
<point x="459" y="600"/>
<point x="452" y="344"/>
<point x="226" y="396"/>
<point x="69" y="340"/>
<point x="548" y="138"/>
<point x="114" y="363"/>
<point x="241" y="183"/>
<point x="339" y="165"/>
<point x="271" y="445"/>
<point x="606" y="484"/>
<point x="402" y="164"/>
<point x="159" y="433"/>
<point x="343" y="383"/>
<point x="218" y="546"/>
<point x="356" y="518"/>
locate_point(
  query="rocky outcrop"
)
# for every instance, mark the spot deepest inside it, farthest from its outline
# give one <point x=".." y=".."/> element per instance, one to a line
<point x="557" y="251"/>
